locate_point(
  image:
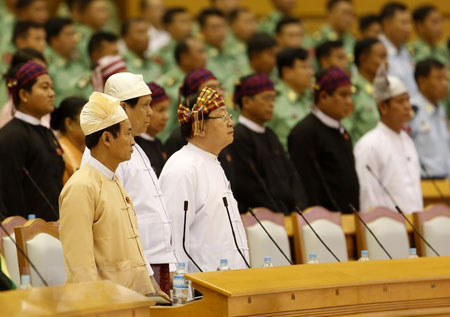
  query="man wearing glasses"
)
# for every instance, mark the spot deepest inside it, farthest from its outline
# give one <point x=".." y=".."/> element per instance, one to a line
<point x="194" y="174"/>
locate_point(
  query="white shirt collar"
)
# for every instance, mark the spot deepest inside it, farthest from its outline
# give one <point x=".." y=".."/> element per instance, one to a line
<point x="253" y="126"/>
<point x="27" y="118"/>
<point x="202" y="152"/>
<point x="147" y="137"/>
<point x="325" y="119"/>
<point x="101" y="168"/>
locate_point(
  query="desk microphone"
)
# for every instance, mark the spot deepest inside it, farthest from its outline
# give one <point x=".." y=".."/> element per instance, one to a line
<point x="433" y="181"/>
<point x="184" y="236"/>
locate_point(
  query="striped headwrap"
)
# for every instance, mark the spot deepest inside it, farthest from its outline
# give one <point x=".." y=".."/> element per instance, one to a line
<point x="195" y="79"/>
<point x="330" y="81"/>
<point x="251" y="85"/>
<point x="158" y="93"/>
<point x="26" y="73"/>
<point x="208" y="101"/>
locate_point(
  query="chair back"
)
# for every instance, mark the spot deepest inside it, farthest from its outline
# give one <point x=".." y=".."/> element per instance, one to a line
<point x="259" y="243"/>
<point x="327" y="224"/>
<point x="7" y="247"/>
<point x="40" y="241"/>
<point x="389" y="228"/>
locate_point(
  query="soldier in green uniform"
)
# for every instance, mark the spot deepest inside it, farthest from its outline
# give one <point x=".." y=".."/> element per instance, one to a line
<point x="341" y="17"/>
<point x="32" y="10"/>
<point x="370" y="53"/>
<point x="189" y="55"/>
<point x="62" y="66"/>
<point x="331" y="53"/>
<point x="280" y="9"/>
<point x="178" y="22"/>
<point x="135" y="36"/>
<point x="289" y="33"/>
<point x="262" y="56"/>
<point x="293" y="92"/>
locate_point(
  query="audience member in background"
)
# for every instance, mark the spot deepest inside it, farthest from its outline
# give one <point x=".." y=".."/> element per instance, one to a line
<point x="213" y="28"/>
<point x="194" y="174"/>
<point x="178" y="23"/>
<point x="429" y="43"/>
<point x="31" y="176"/>
<point x="281" y="8"/>
<point x="189" y="55"/>
<point x="91" y="16"/>
<point x="93" y="202"/>
<point x="293" y="92"/>
<point x="429" y="129"/>
<point x="148" y="140"/>
<point x="341" y="16"/>
<point x="153" y="12"/>
<point x="32" y="10"/>
<point x="20" y="57"/>
<point x="396" y="24"/>
<point x="226" y="6"/>
<point x="267" y="177"/>
<point x="66" y="120"/>
<point x="321" y="149"/>
<point x="331" y="54"/>
<point x="29" y="34"/>
<point x="289" y="33"/>
<point x="60" y="55"/>
<point x="370" y="53"/>
<point x="102" y="44"/>
<point x="135" y="35"/>
<point x="262" y="55"/>
<point x="389" y="152"/>
<point x="369" y="26"/>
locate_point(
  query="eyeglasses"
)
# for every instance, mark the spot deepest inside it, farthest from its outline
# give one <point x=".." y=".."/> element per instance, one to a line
<point x="225" y="118"/>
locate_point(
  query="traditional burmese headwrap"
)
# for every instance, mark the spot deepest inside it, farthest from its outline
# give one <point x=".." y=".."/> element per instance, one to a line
<point x="158" y="93"/>
<point x="330" y="81"/>
<point x="101" y="112"/>
<point x="251" y="85"/>
<point x="387" y="86"/>
<point x="26" y="73"/>
<point x="106" y="67"/>
<point x="125" y="86"/>
<point x="194" y="80"/>
<point x="208" y="101"/>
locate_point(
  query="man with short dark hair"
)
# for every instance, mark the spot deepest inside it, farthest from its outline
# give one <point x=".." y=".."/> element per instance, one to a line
<point x="429" y="125"/>
<point x="289" y="33"/>
<point x="331" y="54"/>
<point x="321" y="149"/>
<point x="369" y="26"/>
<point x="262" y="55"/>
<point x="281" y="8"/>
<point x="293" y="91"/>
<point x="29" y="34"/>
<point x="370" y="53"/>
<point x="153" y="12"/>
<point x="194" y="174"/>
<point x="32" y="10"/>
<point x="396" y="24"/>
<point x="102" y="44"/>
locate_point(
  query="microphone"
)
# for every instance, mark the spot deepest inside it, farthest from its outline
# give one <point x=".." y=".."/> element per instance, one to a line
<point x="225" y="202"/>
<point x="315" y="233"/>
<point x="371" y="232"/>
<point x="325" y="185"/>
<point x="184" y="236"/>
<point x="41" y="193"/>
<point x="23" y="253"/>
<point x="268" y="234"/>
<point x="399" y="210"/>
<point x="433" y="181"/>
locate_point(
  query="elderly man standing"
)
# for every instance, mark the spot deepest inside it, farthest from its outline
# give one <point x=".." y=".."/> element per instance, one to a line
<point x="194" y="174"/>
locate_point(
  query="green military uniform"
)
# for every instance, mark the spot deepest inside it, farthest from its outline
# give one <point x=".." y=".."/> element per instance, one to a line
<point x="269" y="23"/>
<point x="80" y="85"/>
<point x="238" y="49"/>
<point x="166" y="55"/>
<point x="7" y="21"/>
<point x="171" y="82"/>
<point x="62" y="72"/>
<point x="148" y="67"/>
<point x="83" y="34"/>
<point x="290" y="108"/>
<point x="365" y="114"/>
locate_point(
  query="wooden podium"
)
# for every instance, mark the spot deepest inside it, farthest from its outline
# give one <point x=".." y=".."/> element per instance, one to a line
<point x="406" y="287"/>
<point x="93" y="299"/>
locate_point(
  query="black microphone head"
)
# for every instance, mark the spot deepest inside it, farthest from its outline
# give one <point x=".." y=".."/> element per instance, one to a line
<point x="185" y="205"/>
<point x="225" y="202"/>
<point x="352" y="208"/>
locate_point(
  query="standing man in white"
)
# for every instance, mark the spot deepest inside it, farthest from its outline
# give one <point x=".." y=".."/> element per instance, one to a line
<point x="389" y="152"/>
<point x="194" y="174"/>
<point x="140" y="181"/>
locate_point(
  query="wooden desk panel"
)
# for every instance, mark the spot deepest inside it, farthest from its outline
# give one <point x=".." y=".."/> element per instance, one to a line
<point x="406" y="287"/>
<point x="99" y="299"/>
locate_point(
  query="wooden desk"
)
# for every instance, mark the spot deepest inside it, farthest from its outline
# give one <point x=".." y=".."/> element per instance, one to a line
<point x="99" y="299"/>
<point x="406" y="287"/>
<point x="430" y="193"/>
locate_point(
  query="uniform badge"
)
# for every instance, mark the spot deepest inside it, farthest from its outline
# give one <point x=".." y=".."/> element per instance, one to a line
<point x="354" y="89"/>
<point x="170" y="81"/>
<point x="138" y="63"/>
<point x="369" y="89"/>
<point x="332" y="36"/>
<point x="83" y="82"/>
<point x="350" y="57"/>
<point x="292" y="95"/>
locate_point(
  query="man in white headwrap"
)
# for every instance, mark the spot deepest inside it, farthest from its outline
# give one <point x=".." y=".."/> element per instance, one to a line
<point x="98" y="225"/>
<point x="140" y="181"/>
<point x="389" y="152"/>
